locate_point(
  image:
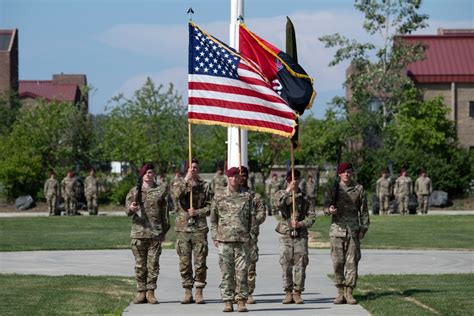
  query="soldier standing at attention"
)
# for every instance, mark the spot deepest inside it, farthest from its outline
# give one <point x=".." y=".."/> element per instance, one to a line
<point x="423" y="191"/>
<point x="191" y="232"/>
<point x="69" y="189"/>
<point x="91" y="190"/>
<point x="219" y="181"/>
<point x="51" y="192"/>
<point x="403" y="189"/>
<point x="146" y="204"/>
<point x="310" y="190"/>
<point x="349" y="224"/>
<point x="383" y="190"/>
<point x="175" y="184"/>
<point x="258" y="212"/>
<point x="231" y="225"/>
<point x="273" y="187"/>
<point x="294" y="239"/>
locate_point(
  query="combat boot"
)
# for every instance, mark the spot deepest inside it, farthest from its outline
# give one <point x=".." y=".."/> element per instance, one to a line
<point x="150" y="297"/>
<point x="349" y="298"/>
<point x="140" y="298"/>
<point x="297" y="297"/>
<point x="228" y="307"/>
<point x="241" y="306"/>
<point x="250" y="299"/>
<point x="188" y="296"/>
<point x="340" y="299"/>
<point x="199" y="298"/>
<point x="288" y="298"/>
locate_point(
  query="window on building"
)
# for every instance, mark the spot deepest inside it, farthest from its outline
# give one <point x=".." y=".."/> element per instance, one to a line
<point x="471" y="109"/>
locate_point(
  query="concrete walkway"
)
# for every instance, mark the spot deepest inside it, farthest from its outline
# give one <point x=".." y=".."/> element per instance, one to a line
<point x="319" y="289"/>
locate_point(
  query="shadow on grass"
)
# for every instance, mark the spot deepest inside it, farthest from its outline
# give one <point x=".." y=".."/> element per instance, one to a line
<point x="371" y="295"/>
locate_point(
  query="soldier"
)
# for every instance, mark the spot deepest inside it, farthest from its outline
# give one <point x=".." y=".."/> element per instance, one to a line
<point x="192" y="229"/>
<point x="259" y="212"/>
<point x="175" y="184"/>
<point x="219" y="181"/>
<point x="403" y="189"/>
<point x="69" y="189"/>
<point x="349" y="224"/>
<point x="273" y="187"/>
<point x="146" y="203"/>
<point x="310" y="188"/>
<point x="91" y="190"/>
<point x="423" y="191"/>
<point x="51" y="192"/>
<point x="294" y="240"/>
<point x="231" y="225"/>
<point x="383" y="189"/>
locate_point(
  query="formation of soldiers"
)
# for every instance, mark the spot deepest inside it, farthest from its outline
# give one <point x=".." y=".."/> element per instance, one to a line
<point x="70" y="190"/>
<point x="235" y="213"/>
<point x="402" y="188"/>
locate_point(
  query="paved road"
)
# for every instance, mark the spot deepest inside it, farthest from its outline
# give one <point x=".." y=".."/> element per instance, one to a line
<point x="319" y="289"/>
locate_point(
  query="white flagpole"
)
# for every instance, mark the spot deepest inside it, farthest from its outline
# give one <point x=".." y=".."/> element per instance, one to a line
<point x="233" y="152"/>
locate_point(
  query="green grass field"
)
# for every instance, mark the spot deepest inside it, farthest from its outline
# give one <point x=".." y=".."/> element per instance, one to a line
<point x="410" y="232"/>
<point x="446" y="294"/>
<point x="64" y="295"/>
<point x="68" y="233"/>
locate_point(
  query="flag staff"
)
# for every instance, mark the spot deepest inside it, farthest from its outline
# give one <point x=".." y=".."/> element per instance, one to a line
<point x="190" y="158"/>
<point x="293" y="213"/>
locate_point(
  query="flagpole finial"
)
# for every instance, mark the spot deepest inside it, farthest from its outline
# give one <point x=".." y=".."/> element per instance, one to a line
<point x="240" y="18"/>
<point x="190" y="12"/>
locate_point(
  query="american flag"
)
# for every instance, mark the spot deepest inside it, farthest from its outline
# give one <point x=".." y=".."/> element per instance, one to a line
<point x="226" y="89"/>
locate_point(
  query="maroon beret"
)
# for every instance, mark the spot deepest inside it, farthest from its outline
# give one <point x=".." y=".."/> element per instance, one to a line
<point x="232" y="172"/>
<point x="297" y="175"/>
<point x="145" y="168"/>
<point x="244" y="170"/>
<point x="344" y="166"/>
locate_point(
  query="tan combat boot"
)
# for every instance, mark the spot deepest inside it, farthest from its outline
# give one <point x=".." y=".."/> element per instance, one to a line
<point x="140" y="298"/>
<point x="250" y="299"/>
<point x="349" y="298"/>
<point x="340" y="299"/>
<point x="297" y="297"/>
<point x="241" y="307"/>
<point x="199" y="298"/>
<point x="150" y="297"/>
<point x="188" y="296"/>
<point x="288" y="298"/>
<point x="228" y="307"/>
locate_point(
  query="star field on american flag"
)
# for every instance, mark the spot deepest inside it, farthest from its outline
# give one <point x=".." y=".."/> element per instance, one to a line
<point x="212" y="59"/>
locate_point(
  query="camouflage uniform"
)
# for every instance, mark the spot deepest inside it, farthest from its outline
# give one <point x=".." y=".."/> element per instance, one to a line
<point x="51" y="192"/>
<point x="218" y="184"/>
<point x="293" y="249"/>
<point x="352" y="218"/>
<point x="258" y="212"/>
<point x="383" y="190"/>
<point x="69" y="189"/>
<point x="232" y="222"/>
<point x="423" y="191"/>
<point x="403" y="189"/>
<point x="91" y="190"/>
<point x="310" y="190"/>
<point x="273" y="187"/>
<point x="191" y="238"/>
<point x="149" y="228"/>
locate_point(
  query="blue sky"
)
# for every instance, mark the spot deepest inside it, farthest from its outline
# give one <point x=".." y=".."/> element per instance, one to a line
<point x="118" y="43"/>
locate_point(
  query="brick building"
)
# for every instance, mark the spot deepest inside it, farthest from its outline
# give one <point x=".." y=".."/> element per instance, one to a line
<point x="8" y="61"/>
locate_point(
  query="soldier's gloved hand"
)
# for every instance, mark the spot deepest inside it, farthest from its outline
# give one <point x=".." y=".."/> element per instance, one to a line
<point x="133" y="207"/>
<point x="332" y="210"/>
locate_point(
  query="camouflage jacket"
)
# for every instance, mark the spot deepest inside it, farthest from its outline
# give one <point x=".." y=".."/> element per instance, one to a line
<point x="423" y="186"/>
<point x="258" y="212"/>
<point x="352" y="214"/>
<point x="202" y="196"/>
<point x="218" y="183"/>
<point x="69" y="187"/>
<point x="232" y="218"/>
<point x="310" y="189"/>
<point x="91" y="186"/>
<point x="283" y="202"/>
<point x="383" y="186"/>
<point x="152" y="220"/>
<point x="51" y="188"/>
<point x="403" y="186"/>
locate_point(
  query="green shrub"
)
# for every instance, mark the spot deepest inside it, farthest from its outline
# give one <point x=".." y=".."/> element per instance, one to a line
<point x="119" y="192"/>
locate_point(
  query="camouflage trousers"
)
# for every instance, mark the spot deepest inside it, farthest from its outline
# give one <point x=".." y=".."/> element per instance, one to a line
<point x="423" y="203"/>
<point x="233" y="261"/>
<point x="92" y="204"/>
<point x="51" y="202"/>
<point x="147" y="253"/>
<point x="402" y="200"/>
<point x="384" y="203"/>
<point x="345" y="255"/>
<point x="70" y="205"/>
<point x="293" y="260"/>
<point x="252" y="270"/>
<point x="187" y="246"/>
